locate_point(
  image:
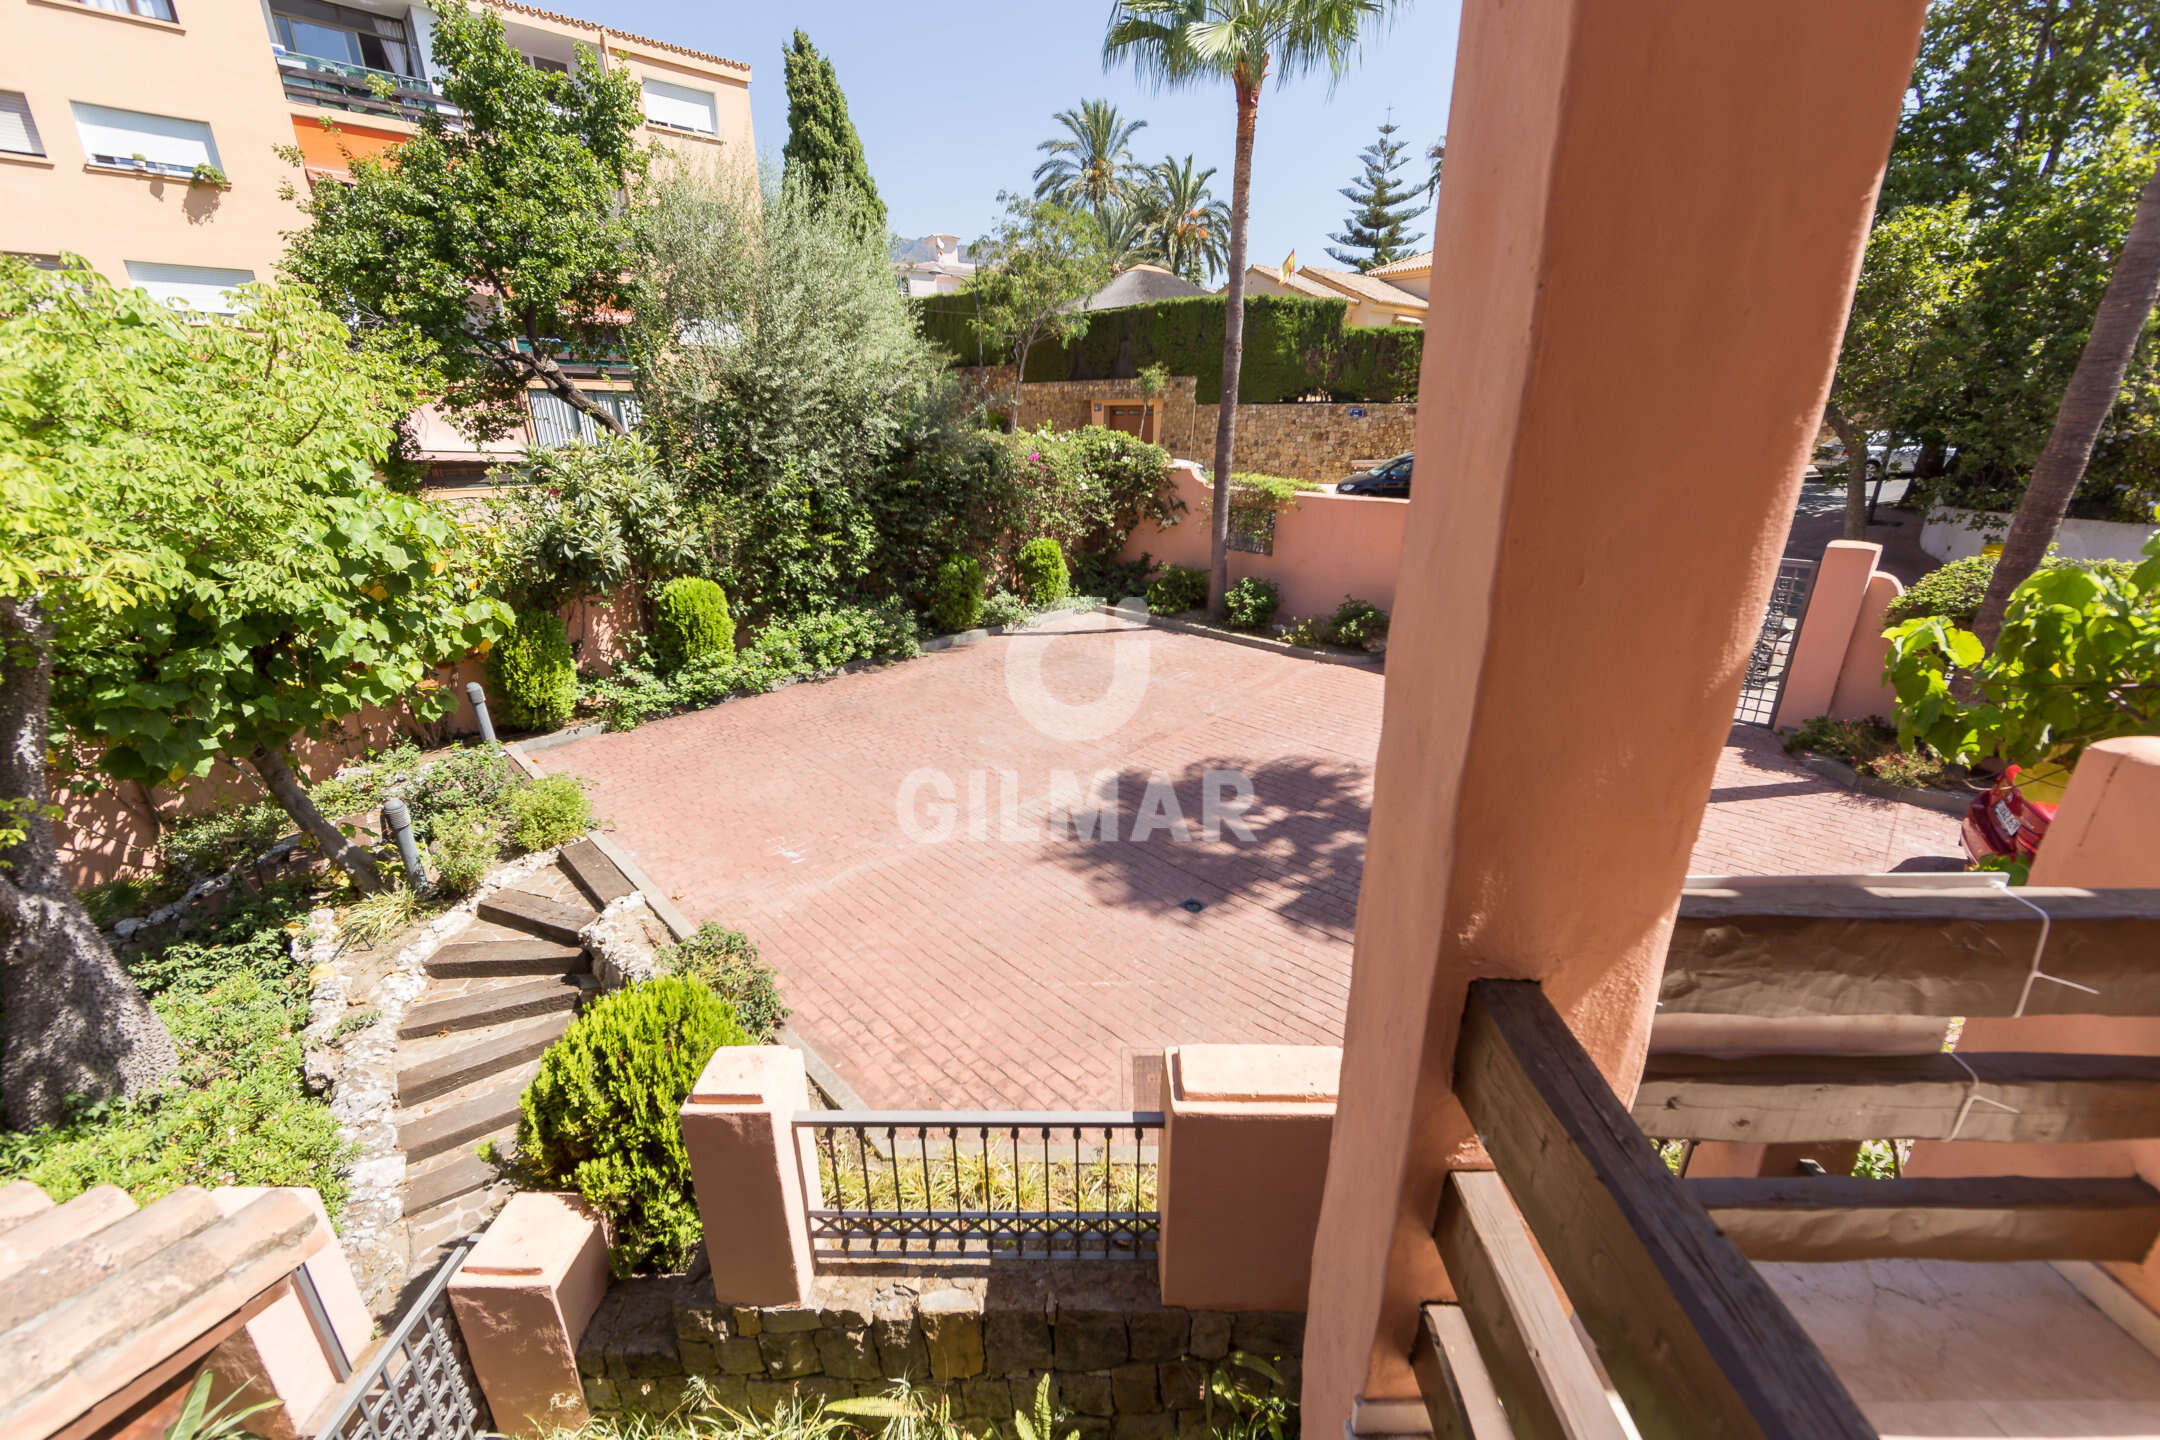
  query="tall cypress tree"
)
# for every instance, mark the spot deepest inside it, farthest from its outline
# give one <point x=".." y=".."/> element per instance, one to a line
<point x="1383" y="207"/>
<point x="823" y="151"/>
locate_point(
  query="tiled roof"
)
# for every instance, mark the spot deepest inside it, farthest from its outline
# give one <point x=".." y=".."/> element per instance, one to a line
<point x="1296" y="280"/>
<point x="1350" y="282"/>
<point x="513" y="7"/>
<point x="1416" y="264"/>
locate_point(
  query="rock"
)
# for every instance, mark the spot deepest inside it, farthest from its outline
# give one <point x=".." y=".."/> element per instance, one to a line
<point x="740" y="1355"/>
<point x="823" y="1390"/>
<point x="767" y="1396"/>
<point x="698" y="1357"/>
<point x="1087" y="1394"/>
<point x="953" y="1334"/>
<point x="787" y="1319"/>
<point x="1182" y="1384"/>
<point x="700" y="1322"/>
<point x="1158" y="1335"/>
<point x="1090" y="1339"/>
<point x="1143" y="1427"/>
<point x="899" y="1341"/>
<point x="1017" y="1341"/>
<point x="657" y="1395"/>
<point x="1210" y="1337"/>
<point x="845" y="1302"/>
<point x="600" y="1394"/>
<point x="1270" y="1334"/>
<point x="790" y="1354"/>
<point x="747" y="1321"/>
<point x="730" y="1392"/>
<point x="1132" y="1389"/>
<point x="986" y="1400"/>
<point x="624" y="941"/>
<point x="849" y="1353"/>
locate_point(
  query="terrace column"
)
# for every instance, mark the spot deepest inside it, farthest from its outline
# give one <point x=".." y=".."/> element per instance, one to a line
<point x="755" y="1182"/>
<point x="1643" y="257"/>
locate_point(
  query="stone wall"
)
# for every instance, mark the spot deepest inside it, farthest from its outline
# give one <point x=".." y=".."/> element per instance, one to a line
<point x="982" y="1335"/>
<point x="1307" y="441"/>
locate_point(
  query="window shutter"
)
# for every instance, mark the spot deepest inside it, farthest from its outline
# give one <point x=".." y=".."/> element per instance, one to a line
<point x="554" y="423"/>
<point x="18" y="132"/>
<point x="116" y="136"/>
<point x="681" y="107"/>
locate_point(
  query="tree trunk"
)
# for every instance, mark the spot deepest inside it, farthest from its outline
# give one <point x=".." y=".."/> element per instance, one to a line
<point x="1019" y="375"/>
<point x="1233" y="349"/>
<point x="1856" y="458"/>
<point x="75" y="1025"/>
<point x="563" y="388"/>
<point x="2091" y="393"/>
<point x="337" y="848"/>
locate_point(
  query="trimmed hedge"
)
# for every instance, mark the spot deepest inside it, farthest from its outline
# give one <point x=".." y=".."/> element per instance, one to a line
<point x="532" y="676"/>
<point x="956" y="595"/>
<point x="691" y="623"/>
<point x="1042" y="569"/>
<point x="1295" y="347"/>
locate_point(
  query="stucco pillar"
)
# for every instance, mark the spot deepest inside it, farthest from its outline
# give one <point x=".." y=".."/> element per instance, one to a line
<point x="1818" y="653"/>
<point x="754" y="1179"/>
<point x="1244" y="1154"/>
<point x="279" y="1355"/>
<point x="1643" y="258"/>
<point x="1862" y="690"/>
<point x="523" y="1299"/>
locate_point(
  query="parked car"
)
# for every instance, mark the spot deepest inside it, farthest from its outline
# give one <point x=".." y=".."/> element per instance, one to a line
<point x="2013" y="816"/>
<point x="1829" y="461"/>
<point x="1389" y="480"/>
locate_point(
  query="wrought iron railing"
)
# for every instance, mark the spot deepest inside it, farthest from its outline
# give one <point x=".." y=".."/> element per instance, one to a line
<point x="1024" y="1184"/>
<point x="334" y="85"/>
<point x="418" y="1385"/>
<point x="1772" y="655"/>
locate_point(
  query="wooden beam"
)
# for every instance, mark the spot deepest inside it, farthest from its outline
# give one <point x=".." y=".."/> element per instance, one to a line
<point x="1694" y="1340"/>
<point x="1803" y="1098"/>
<point x="1844" y="947"/>
<point x="1537" y="1362"/>
<point x="2016" y="1217"/>
<point x="1458" y="1390"/>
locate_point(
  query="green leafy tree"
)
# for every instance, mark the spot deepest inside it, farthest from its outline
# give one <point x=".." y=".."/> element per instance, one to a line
<point x="2078" y="661"/>
<point x="1091" y="165"/>
<point x="1031" y="272"/>
<point x="1181" y="43"/>
<point x="1192" y="227"/>
<point x="494" y="242"/>
<point x="823" y="153"/>
<point x="1383" y="207"/>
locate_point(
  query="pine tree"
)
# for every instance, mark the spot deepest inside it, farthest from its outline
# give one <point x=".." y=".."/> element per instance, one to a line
<point x="823" y="152"/>
<point x="1383" y="207"/>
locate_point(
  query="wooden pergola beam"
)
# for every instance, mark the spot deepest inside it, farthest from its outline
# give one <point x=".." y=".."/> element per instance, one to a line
<point x="2016" y="1217"/>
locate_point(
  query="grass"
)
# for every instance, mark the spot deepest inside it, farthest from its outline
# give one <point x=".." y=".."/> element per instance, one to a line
<point x="914" y="1174"/>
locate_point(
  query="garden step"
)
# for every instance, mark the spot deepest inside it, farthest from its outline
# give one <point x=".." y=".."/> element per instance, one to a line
<point x="536" y="915"/>
<point x="595" y="874"/>
<point x="464" y="1116"/>
<point x="448" y="1176"/>
<point x="492" y="1005"/>
<point x="478" y="1055"/>
<point x="507" y="957"/>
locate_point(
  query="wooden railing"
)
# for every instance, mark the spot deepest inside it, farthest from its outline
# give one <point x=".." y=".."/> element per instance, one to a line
<point x="1658" y="1269"/>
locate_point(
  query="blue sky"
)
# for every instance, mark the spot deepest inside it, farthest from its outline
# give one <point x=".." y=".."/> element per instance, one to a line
<point x="952" y="100"/>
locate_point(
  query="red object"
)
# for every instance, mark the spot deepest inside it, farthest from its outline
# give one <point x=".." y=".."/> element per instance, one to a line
<point x="2004" y="822"/>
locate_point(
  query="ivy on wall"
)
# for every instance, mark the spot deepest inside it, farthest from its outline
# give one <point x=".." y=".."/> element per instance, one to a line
<point x="1296" y="348"/>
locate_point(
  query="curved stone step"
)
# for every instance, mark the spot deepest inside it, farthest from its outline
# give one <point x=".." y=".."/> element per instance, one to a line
<point x="465" y="1062"/>
<point x="507" y="957"/>
<point x="452" y="1175"/>
<point x="493" y="1005"/>
<point x="594" y="873"/>
<point x="447" y="1126"/>
<point x="537" y="915"/>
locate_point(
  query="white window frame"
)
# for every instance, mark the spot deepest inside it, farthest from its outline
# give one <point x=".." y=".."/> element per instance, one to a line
<point x="680" y="107"/>
<point x="169" y="144"/>
<point x="190" y="287"/>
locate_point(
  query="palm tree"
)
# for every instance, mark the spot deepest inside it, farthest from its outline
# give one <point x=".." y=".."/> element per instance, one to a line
<point x="1091" y="164"/>
<point x="1193" y="42"/>
<point x="2093" y="389"/>
<point x="1128" y="234"/>
<point x="1192" y="227"/>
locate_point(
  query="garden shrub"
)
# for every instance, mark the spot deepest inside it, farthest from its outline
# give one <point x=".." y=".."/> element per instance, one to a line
<point x="1180" y="588"/>
<point x="211" y="844"/>
<point x="361" y="785"/>
<point x="1871" y="748"/>
<point x="532" y="679"/>
<point x="1955" y="591"/>
<point x="1251" y="603"/>
<point x="726" y="962"/>
<point x="1042" y="570"/>
<point x="474" y="778"/>
<point x="690" y="623"/>
<point x="1306" y="632"/>
<point x="957" y="595"/>
<point x="1111" y="579"/>
<point x="551" y="811"/>
<point x="466" y="845"/>
<point x="603" y="1115"/>
<point x="585" y="519"/>
<point x="242" y="935"/>
<point x="1356" y="623"/>
<point x="1004" y="608"/>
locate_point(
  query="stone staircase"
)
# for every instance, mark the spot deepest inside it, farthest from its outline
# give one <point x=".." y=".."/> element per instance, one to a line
<point x="497" y="997"/>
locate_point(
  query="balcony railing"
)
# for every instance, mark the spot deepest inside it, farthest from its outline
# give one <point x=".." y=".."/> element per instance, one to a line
<point x="1028" y="1185"/>
<point x="334" y="85"/>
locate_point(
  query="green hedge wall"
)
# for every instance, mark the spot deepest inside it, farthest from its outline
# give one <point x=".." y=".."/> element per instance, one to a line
<point x="1295" y="347"/>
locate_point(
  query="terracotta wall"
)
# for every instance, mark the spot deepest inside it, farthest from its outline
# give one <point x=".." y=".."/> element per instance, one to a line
<point x="1306" y="441"/>
<point x="1838" y="656"/>
<point x="1326" y="546"/>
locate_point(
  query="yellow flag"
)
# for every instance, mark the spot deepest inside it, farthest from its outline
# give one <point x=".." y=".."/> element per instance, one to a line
<point x="1289" y="264"/>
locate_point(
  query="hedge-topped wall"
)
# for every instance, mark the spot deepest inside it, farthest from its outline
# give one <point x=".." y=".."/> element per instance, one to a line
<point x="1295" y="347"/>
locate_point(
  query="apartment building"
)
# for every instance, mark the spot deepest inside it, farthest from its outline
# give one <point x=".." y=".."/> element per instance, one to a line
<point x="145" y="135"/>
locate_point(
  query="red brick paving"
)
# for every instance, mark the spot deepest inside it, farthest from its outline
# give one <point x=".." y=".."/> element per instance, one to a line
<point x="982" y="972"/>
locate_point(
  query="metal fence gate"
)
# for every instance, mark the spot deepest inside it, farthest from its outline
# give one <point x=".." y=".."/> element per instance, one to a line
<point x="419" y="1386"/>
<point x="1774" y="643"/>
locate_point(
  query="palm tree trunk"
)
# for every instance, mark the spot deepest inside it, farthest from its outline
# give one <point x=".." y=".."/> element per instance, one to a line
<point x="2091" y="393"/>
<point x="1233" y="349"/>
<point x="1855" y="443"/>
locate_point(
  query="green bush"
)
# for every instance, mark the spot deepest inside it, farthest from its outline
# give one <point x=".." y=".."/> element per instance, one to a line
<point x="212" y="844"/>
<point x="726" y="962"/>
<point x="690" y="623"/>
<point x="1356" y="623"/>
<point x="1042" y="570"/>
<point x="474" y="778"/>
<point x="361" y="786"/>
<point x="957" y="595"/>
<point x="1004" y="608"/>
<point x="532" y="680"/>
<point x="1251" y="603"/>
<point x="603" y="1115"/>
<point x="1111" y="579"/>
<point x="466" y="846"/>
<point x="552" y="810"/>
<point x="1955" y="591"/>
<point x="1181" y="588"/>
<point x="1870" y="746"/>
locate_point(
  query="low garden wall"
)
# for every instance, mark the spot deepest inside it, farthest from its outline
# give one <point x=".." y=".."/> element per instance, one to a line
<point x="1953" y="534"/>
<point x="980" y="1334"/>
<point x="1326" y="546"/>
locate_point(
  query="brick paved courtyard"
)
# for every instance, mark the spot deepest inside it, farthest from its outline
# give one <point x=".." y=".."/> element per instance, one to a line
<point x="998" y="967"/>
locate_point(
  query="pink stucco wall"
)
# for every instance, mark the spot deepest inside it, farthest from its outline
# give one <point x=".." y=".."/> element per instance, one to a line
<point x="1326" y="546"/>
